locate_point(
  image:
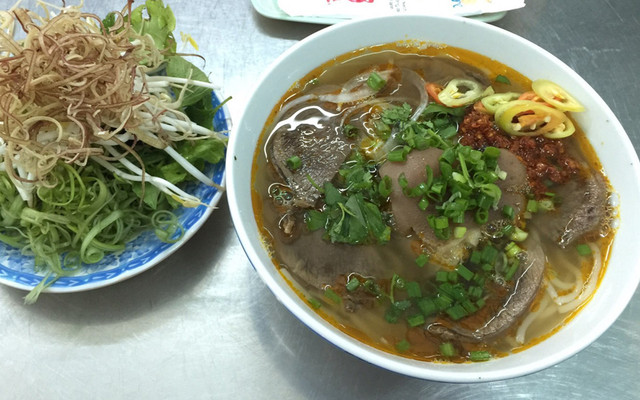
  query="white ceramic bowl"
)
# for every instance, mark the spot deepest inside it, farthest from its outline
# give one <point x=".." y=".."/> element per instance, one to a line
<point x="607" y="136"/>
<point x="17" y="270"/>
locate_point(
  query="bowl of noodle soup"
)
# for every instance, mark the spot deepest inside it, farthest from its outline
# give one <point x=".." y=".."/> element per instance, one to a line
<point x="388" y="295"/>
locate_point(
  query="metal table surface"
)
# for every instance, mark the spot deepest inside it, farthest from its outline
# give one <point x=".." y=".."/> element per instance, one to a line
<point x="202" y="324"/>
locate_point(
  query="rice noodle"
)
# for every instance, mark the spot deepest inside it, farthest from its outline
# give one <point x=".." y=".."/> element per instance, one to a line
<point x="526" y="322"/>
<point x="592" y="281"/>
<point x="577" y="287"/>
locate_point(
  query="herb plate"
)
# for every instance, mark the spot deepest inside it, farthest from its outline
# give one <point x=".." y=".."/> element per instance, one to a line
<point x="17" y="270"/>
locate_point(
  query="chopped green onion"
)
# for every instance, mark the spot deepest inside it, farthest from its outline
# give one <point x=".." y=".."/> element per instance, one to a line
<point x="513" y="267"/>
<point x="583" y="249"/>
<point x="482" y="216"/>
<point x="507" y="230"/>
<point x="447" y="349"/>
<point x="375" y="81"/>
<point x="416" y="320"/>
<point x="469" y="306"/>
<point x="476" y="257"/>
<point x="423" y="203"/>
<point x="532" y="206"/>
<point x="456" y="312"/>
<point x="353" y="284"/>
<point x="441" y="222"/>
<point x="427" y="306"/>
<point x="403" y="345"/>
<point x="314" y="303"/>
<point x="413" y="290"/>
<point x="512" y="250"/>
<point x="464" y="272"/>
<point x="518" y="235"/>
<point x="485" y="202"/>
<point x="546" y="205"/>
<point x="479" y="355"/>
<point x="294" y="162"/>
<point x="492" y="152"/>
<point x="489" y="254"/>
<point x="333" y="296"/>
<point x="442" y="276"/>
<point x="459" y="232"/>
<point x="475" y="292"/>
<point x="422" y="260"/>
<point x="508" y="211"/>
<point x="442" y="302"/>
<point x="397" y="155"/>
<point x="402" y="181"/>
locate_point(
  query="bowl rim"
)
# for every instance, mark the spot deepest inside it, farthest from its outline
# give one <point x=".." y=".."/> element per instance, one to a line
<point x="455" y="373"/>
<point x="125" y="273"/>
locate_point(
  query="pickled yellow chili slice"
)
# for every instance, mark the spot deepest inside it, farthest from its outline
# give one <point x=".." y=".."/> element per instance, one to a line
<point x="565" y="129"/>
<point x="460" y="92"/>
<point x="492" y="102"/>
<point x="527" y="118"/>
<point x="556" y="96"/>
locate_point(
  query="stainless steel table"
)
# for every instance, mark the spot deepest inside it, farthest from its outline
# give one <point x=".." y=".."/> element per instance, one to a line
<point x="202" y="324"/>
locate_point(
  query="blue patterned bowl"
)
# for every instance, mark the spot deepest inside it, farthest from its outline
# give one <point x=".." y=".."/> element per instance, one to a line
<point x="17" y="270"/>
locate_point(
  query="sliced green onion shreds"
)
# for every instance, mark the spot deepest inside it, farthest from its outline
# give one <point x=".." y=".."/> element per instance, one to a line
<point x="89" y="214"/>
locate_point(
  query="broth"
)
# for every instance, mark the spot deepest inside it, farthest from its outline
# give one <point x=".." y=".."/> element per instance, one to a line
<point x="394" y="278"/>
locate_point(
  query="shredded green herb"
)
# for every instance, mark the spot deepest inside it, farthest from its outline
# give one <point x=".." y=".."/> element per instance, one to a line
<point x="352" y="206"/>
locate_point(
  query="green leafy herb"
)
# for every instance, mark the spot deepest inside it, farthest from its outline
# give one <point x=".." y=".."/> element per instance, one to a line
<point x="159" y="22"/>
<point x="181" y="68"/>
<point x="352" y="209"/>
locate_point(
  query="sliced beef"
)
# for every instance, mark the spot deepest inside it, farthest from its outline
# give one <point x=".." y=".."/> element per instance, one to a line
<point x="514" y="305"/>
<point x="319" y="262"/>
<point x="311" y="134"/>
<point x="583" y="208"/>
<point x="410" y="220"/>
